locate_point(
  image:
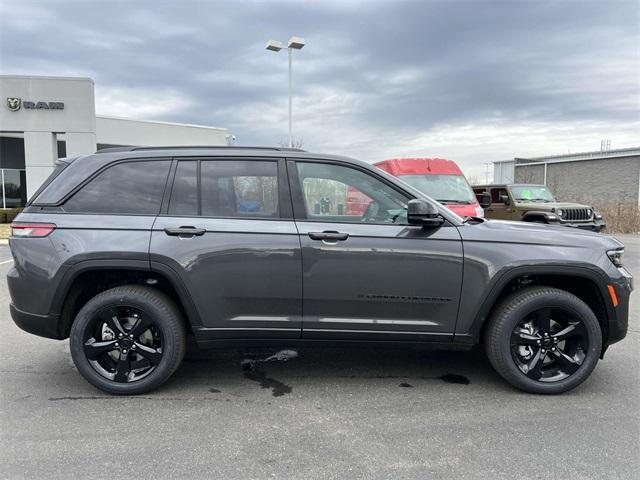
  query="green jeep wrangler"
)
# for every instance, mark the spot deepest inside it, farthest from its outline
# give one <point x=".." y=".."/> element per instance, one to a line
<point x="535" y="203"/>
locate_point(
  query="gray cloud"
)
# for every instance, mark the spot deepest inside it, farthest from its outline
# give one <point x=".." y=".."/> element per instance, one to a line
<point x="374" y="78"/>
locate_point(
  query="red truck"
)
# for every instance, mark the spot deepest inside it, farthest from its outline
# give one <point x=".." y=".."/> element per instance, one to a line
<point x="441" y="179"/>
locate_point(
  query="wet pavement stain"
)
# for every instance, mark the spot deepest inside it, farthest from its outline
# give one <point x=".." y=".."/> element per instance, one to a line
<point x="406" y="385"/>
<point x="278" y="389"/>
<point x="251" y="372"/>
<point x="453" y="378"/>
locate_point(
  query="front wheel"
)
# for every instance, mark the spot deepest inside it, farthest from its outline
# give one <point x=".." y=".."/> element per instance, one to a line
<point x="128" y="340"/>
<point x="543" y="340"/>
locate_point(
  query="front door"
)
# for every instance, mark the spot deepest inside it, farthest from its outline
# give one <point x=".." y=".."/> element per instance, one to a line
<point x="369" y="275"/>
<point x="228" y="232"/>
<point x="499" y="209"/>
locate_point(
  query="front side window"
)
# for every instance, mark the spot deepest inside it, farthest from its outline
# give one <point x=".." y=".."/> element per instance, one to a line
<point x="132" y="188"/>
<point x="335" y="193"/>
<point x="443" y="188"/>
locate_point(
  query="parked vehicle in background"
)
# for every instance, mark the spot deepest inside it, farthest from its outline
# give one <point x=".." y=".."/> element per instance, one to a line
<point x="128" y="251"/>
<point x="438" y="178"/>
<point x="536" y="203"/>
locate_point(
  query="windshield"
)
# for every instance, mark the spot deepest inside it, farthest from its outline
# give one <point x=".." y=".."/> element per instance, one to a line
<point x="532" y="193"/>
<point x="443" y="188"/>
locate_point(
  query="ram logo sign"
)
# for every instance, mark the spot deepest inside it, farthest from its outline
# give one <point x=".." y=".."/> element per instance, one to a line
<point x="14" y="103"/>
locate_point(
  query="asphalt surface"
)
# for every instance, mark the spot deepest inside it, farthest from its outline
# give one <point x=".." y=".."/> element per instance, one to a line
<point x="323" y="413"/>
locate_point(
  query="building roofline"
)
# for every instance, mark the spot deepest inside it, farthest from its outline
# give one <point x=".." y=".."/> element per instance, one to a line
<point x="158" y="122"/>
<point x="593" y="155"/>
<point x="46" y="77"/>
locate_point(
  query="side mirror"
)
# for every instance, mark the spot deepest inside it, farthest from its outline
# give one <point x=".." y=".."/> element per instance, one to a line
<point x="504" y="199"/>
<point x="423" y="213"/>
<point x="484" y="199"/>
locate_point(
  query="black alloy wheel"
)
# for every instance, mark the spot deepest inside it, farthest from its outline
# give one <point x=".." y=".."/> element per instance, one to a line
<point x="543" y="340"/>
<point x="549" y="345"/>
<point x="128" y="340"/>
<point x="123" y="344"/>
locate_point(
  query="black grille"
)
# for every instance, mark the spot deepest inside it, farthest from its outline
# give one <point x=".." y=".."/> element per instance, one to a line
<point x="576" y="214"/>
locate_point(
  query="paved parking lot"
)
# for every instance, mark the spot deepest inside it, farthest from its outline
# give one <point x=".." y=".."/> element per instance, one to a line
<point x="314" y="413"/>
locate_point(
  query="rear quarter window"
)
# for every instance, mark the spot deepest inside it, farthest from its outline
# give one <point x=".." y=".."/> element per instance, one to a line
<point x="134" y="188"/>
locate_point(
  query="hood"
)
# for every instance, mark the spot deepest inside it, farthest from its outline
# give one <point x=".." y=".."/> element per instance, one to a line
<point x="549" y="206"/>
<point x="503" y="231"/>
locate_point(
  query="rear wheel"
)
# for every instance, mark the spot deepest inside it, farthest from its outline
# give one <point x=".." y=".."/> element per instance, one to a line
<point x="543" y="340"/>
<point x="128" y="340"/>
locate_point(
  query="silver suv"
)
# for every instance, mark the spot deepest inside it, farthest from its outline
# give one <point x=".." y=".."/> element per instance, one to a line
<point x="128" y="251"/>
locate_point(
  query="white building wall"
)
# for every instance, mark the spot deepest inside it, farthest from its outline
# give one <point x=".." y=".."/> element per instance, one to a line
<point x="125" y="131"/>
<point x="503" y="172"/>
<point x="78" y="125"/>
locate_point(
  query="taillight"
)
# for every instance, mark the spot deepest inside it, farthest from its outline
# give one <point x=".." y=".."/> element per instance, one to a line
<point x="32" y="229"/>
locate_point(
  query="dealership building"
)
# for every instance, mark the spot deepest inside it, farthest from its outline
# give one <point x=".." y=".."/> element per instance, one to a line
<point x="601" y="178"/>
<point x="45" y="118"/>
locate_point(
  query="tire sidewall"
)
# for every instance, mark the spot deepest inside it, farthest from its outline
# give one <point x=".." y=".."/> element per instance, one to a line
<point x="553" y="298"/>
<point x="163" y="319"/>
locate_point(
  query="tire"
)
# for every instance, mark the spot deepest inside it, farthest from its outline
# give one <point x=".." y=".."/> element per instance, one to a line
<point x="523" y="310"/>
<point x="159" y="348"/>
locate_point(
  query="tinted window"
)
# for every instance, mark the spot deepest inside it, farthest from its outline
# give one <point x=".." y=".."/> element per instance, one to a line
<point x="184" y="194"/>
<point x="239" y="188"/>
<point x="341" y="194"/>
<point x="125" y="188"/>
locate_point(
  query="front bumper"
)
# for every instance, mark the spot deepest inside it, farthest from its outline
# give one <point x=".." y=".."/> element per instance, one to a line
<point x="619" y="322"/>
<point x="595" y="226"/>
<point x="47" y="326"/>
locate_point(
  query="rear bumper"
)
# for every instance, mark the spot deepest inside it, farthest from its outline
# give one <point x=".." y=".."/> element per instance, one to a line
<point x="47" y="326"/>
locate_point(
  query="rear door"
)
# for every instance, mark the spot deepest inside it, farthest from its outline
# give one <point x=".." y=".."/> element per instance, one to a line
<point x="369" y="275"/>
<point x="228" y="233"/>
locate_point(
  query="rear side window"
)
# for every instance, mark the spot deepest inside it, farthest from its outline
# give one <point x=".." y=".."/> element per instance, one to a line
<point x="126" y="188"/>
<point x="228" y="188"/>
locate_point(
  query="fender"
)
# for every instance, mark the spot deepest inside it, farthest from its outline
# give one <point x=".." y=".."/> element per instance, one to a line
<point x="510" y="273"/>
<point x="69" y="273"/>
<point x="538" y="215"/>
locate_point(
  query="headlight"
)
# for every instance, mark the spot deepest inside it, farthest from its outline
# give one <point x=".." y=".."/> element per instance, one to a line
<point x="616" y="256"/>
<point x="589" y="212"/>
<point x="559" y="212"/>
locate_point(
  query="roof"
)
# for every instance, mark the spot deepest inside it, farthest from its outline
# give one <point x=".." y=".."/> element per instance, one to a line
<point x="572" y="157"/>
<point x="157" y="122"/>
<point x="419" y="166"/>
<point x="81" y="168"/>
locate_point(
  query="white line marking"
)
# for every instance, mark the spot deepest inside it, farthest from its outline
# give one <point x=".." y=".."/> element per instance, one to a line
<point x="6" y="261"/>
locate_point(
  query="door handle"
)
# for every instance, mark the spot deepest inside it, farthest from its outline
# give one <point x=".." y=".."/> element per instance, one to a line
<point x="328" y="235"/>
<point x="185" y="232"/>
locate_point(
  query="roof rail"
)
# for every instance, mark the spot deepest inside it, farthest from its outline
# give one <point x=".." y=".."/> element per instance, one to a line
<point x="197" y="147"/>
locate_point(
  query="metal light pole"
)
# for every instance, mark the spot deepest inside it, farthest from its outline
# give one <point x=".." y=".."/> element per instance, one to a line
<point x="295" y="43"/>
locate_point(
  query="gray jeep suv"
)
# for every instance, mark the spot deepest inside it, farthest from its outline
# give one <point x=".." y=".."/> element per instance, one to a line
<point x="128" y="251"/>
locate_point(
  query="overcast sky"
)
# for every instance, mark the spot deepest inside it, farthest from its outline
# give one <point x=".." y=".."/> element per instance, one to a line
<point x="473" y="81"/>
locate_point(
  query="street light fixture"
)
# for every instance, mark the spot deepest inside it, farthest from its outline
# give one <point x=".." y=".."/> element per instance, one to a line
<point x="295" y="43"/>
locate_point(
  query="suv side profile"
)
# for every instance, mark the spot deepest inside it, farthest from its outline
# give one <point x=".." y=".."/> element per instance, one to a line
<point x="127" y="251"/>
<point x="536" y="203"/>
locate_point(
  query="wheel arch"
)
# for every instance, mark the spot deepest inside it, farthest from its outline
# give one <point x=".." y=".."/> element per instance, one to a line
<point x="588" y="284"/>
<point x="85" y="279"/>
